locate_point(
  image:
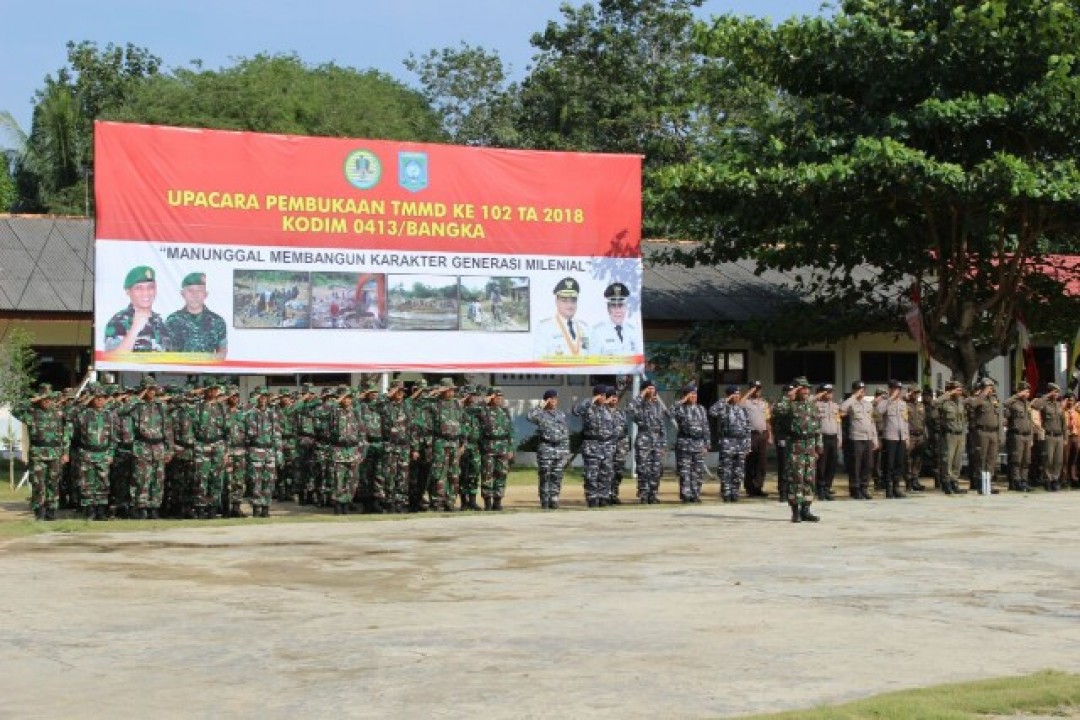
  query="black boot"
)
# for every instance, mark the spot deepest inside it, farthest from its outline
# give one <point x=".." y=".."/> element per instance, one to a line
<point x="806" y="515"/>
<point x="543" y="503"/>
<point x="917" y="486"/>
<point x="957" y="490"/>
<point x="896" y="490"/>
<point x="614" y="500"/>
<point x="593" y="502"/>
<point x="496" y="504"/>
<point x="796" y="516"/>
<point x="553" y="504"/>
<point x="155" y="514"/>
<point x="40" y="513"/>
<point x="946" y="488"/>
<point x="50" y="514"/>
<point x="88" y="512"/>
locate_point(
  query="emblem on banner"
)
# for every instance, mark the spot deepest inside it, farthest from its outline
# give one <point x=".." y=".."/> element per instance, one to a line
<point x="363" y="169"/>
<point x="413" y="170"/>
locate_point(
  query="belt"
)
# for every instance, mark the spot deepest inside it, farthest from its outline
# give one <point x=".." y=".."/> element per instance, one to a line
<point x="1053" y="434"/>
<point x="552" y="442"/>
<point x="374" y="438"/>
<point x="261" y="447"/>
<point x="1020" y="434"/>
<point x="452" y="438"/>
<point x="94" y="448"/>
<point x="985" y="428"/>
<point x="953" y="432"/>
<point x="917" y="434"/>
<point x="40" y="446"/>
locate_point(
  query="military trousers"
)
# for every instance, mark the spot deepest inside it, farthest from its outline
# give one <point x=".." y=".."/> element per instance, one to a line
<point x="147" y="474"/>
<point x="1053" y="458"/>
<point x="549" y="469"/>
<point x="1018" y="448"/>
<point x="649" y="451"/>
<point x="93" y="477"/>
<point x="261" y="467"/>
<point x="45" y="472"/>
<point x="952" y="457"/>
<point x="690" y="466"/>
<point x="598" y="457"/>
<point x="802" y="469"/>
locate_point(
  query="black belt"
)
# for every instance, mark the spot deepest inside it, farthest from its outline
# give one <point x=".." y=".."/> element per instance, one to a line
<point x="989" y="429"/>
<point x="1020" y="434"/>
<point x="150" y="442"/>
<point x="917" y="434"/>
<point x="261" y="447"/>
<point x="374" y="438"/>
<point x="97" y="448"/>
<point x="953" y="432"/>
<point x="1053" y="435"/>
<point x="552" y="442"/>
<point x="39" y="446"/>
<point x="453" y="438"/>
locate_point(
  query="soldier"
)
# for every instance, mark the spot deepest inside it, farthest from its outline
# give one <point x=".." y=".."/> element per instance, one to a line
<point x="596" y="429"/>
<point x="95" y="433"/>
<point x="1018" y="431"/>
<point x="780" y="416"/>
<point x="447" y="420"/>
<point x="208" y="426"/>
<point x="933" y="432"/>
<point x="420" y="455"/>
<point x="691" y="444"/>
<point x="952" y="423"/>
<point x="893" y="411"/>
<point x="618" y="444"/>
<point x="50" y="438"/>
<point x="397" y="439"/>
<point x="650" y="415"/>
<point x="234" y="488"/>
<point x="864" y="440"/>
<point x="804" y="448"/>
<point x="733" y="430"/>
<point x="1053" y="424"/>
<point x="760" y="439"/>
<point x="178" y="473"/>
<point x="472" y="428"/>
<point x="137" y="328"/>
<point x="69" y="491"/>
<point x="832" y="442"/>
<point x="346" y="439"/>
<point x="284" y="489"/>
<point x="496" y="444"/>
<point x="152" y="448"/>
<point x="553" y="449"/>
<point x="984" y="412"/>
<point x="195" y="328"/>
<point x="917" y="426"/>
<point x="121" y="470"/>
<point x="263" y="439"/>
<point x="372" y="485"/>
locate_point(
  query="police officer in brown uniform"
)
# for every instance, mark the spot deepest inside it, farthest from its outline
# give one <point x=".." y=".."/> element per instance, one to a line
<point x="984" y="411"/>
<point x="952" y="424"/>
<point x="864" y="439"/>
<point x="1053" y="424"/>
<point x="831" y="442"/>
<point x="1018" y="430"/>
<point x="893" y="410"/>
<point x="758" y="409"/>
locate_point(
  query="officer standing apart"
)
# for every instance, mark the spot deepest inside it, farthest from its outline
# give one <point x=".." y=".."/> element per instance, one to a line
<point x="952" y="423"/>
<point x="596" y="429"/>
<point x="650" y="415"/>
<point x="691" y="444"/>
<point x="831" y="441"/>
<point x="1053" y="425"/>
<point x="733" y="430"/>
<point x="553" y="449"/>
<point x="864" y="440"/>
<point x="50" y="437"/>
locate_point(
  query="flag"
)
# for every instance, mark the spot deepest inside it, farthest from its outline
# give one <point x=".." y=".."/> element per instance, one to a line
<point x="1025" y="357"/>
<point x="1073" y="372"/>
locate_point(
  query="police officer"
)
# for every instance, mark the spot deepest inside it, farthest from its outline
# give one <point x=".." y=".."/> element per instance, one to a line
<point x="760" y="437"/>
<point x="864" y="440"/>
<point x="553" y="449"/>
<point x="893" y="409"/>
<point x="984" y="411"/>
<point x="1053" y="424"/>
<point x="831" y="441"/>
<point x="952" y="423"/>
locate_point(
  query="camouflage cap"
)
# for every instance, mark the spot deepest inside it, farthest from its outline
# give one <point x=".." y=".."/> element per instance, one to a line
<point x="139" y="274"/>
<point x="147" y="382"/>
<point x="1053" y="387"/>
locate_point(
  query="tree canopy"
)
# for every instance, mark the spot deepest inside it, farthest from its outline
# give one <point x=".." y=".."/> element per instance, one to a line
<point x="935" y="142"/>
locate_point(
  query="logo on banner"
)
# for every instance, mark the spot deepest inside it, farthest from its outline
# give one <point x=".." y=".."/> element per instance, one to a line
<point x="363" y="169"/>
<point x="413" y="170"/>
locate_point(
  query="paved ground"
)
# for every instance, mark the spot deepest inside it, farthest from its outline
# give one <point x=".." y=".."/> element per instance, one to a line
<point x="668" y="611"/>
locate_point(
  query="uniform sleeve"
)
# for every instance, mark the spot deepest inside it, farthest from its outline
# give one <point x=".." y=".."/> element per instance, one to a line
<point x="533" y="415"/>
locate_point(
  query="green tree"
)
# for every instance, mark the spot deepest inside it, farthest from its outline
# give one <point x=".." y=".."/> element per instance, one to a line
<point x="935" y="143"/>
<point x="468" y="87"/>
<point x="619" y="76"/>
<point x="8" y="194"/>
<point x="282" y="94"/>
<point x="18" y="367"/>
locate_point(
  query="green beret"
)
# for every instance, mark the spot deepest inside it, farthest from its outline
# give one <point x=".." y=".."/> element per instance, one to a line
<point x="195" y="278"/>
<point x="140" y="274"/>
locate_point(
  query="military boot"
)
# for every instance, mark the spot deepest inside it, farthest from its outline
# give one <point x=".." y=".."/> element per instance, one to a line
<point x="88" y="512"/>
<point x="496" y="503"/>
<point x="155" y="514"/>
<point x="50" y="514"/>
<point x="553" y="504"/>
<point x="40" y="513"/>
<point x="543" y="503"/>
<point x="487" y="502"/>
<point x="896" y="490"/>
<point x="796" y="515"/>
<point x="807" y="516"/>
<point x="957" y="490"/>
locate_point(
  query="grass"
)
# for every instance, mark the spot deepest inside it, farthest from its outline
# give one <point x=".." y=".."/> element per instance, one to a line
<point x="1045" y="693"/>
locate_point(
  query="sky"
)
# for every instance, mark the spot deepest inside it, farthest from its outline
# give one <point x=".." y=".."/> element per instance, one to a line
<point x="361" y="34"/>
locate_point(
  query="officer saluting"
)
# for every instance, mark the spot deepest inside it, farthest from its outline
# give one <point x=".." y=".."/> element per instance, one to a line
<point x="563" y="333"/>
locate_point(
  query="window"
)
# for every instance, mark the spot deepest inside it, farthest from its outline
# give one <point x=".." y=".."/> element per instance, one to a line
<point x="320" y="379"/>
<point x="508" y="379"/>
<point x="881" y="367"/>
<point x="724" y="367"/>
<point x="817" y="366"/>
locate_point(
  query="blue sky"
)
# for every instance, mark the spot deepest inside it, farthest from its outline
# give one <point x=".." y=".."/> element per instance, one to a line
<point x="355" y="33"/>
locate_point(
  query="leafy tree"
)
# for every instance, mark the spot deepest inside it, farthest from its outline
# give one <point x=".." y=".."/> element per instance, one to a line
<point x="8" y="193"/>
<point x="18" y="367"/>
<point x="619" y="76"/>
<point x="934" y="142"/>
<point x="282" y="94"/>
<point x="467" y="86"/>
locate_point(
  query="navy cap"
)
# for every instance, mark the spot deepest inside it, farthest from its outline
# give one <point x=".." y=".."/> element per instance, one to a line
<point x="647" y="384"/>
<point x="610" y="391"/>
<point x="548" y="394"/>
<point x="599" y="389"/>
<point x="689" y="388"/>
<point x="731" y="389"/>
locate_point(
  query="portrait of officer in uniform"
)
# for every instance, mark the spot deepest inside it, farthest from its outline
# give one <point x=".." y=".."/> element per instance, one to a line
<point x="137" y="328"/>
<point x="616" y="336"/>
<point x="563" y="333"/>
<point x="196" y="328"/>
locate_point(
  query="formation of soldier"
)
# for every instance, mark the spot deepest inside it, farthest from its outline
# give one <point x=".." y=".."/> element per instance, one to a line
<point x="150" y="451"/>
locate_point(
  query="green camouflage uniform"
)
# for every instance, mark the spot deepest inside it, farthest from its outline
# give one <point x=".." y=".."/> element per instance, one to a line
<point x="397" y="439"/>
<point x="50" y="438"/>
<point x="471" y="456"/>
<point x="151" y="423"/>
<point x="204" y="333"/>
<point x="263" y="436"/>
<point x="447" y="418"/>
<point x="497" y="445"/>
<point x="804" y="446"/>
<point x="178" y="473"/>
<point x="235" y="459"/>
<point x="95" y="432"/>
<point x="420" y="422"/>
<point x="372" y="484"/>
<point x="208" y="425"/>
<point x="152" y="338"/>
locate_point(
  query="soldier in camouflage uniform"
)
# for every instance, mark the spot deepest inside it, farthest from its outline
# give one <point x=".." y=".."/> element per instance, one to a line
<point x="691" y="444"/>
<point x="780" y="416"/>
<point x="195" y="328"/>
<point x="178" y="473"/>
<point x="208" y="426"/>
<point x="284" y="490"/>
<point x="471" y="455"/>
<point x="50" y="438"/>
<point x="917" y="425"/>
<point x="804" y="433"/>
<point x="447" y="421"/>
<point x="596" y="430"/>
<point x="121" y="471"/>
<point x="322" y="473"/>
<point x="304" y="422"/>
<point x="620" y="445"/>
<point x="650" y="415"/>
<point x="137" y="328"/>
<point x="397" y="439"/>
<point x="95" y="432"/>
<point x="372" y="484"/>
<point x="234" y="486"/>
<point x="733" y="430"/>
<point x="346" y="447"/>
<point x="263" y="437"/>
<point x="71" y="406"/>
<point x="497" y="446"/>
<point x="151" y="423"/>
<point x="553" y="449"/>
<point x="420" y="456"/>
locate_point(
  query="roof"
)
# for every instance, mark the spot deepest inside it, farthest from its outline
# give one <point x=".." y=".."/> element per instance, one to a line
<point x="47" y="263"/>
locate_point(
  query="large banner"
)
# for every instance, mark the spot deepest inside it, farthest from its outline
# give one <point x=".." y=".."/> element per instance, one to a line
<point x="251" y="253"/>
